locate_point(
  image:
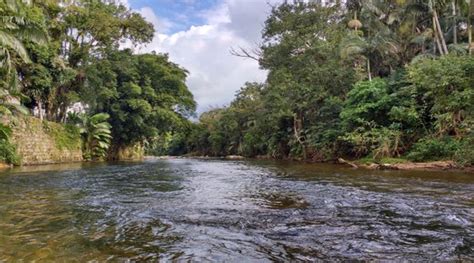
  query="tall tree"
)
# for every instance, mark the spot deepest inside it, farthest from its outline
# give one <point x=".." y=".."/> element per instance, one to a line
<point x="21" y="23"/>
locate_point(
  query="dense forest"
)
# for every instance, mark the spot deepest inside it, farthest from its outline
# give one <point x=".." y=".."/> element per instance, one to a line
<point x="56" y="54"/>
<point x="359" y="79"/>
<point x="355" y="79"/>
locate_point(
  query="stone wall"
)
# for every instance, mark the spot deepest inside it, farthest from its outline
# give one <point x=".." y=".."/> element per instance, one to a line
<point x="43" y="142"/>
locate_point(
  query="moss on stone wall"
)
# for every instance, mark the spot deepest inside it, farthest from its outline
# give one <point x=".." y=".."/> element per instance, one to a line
<point x="65" y="136"/>
<point x="43" y="142"/>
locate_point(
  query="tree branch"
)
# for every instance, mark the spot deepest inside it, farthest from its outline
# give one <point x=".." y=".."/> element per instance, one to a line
<point x="254" y="54"/>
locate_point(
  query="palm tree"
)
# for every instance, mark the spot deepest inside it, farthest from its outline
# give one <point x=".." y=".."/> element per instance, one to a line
<point x="9" y="104"/>
<point x="372" y="38"/>
<point x="15" y="29"/>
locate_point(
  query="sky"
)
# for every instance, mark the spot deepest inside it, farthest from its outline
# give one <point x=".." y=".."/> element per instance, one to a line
<point x="198" y="35"/>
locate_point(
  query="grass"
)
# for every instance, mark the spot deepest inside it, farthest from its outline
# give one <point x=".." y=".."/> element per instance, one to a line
<point x="387" y="160"/>
<point x="65" y="136"/>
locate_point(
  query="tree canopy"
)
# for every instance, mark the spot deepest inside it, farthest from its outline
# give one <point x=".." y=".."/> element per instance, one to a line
<point x="353" y="79"/>
<point x="55" y="54"/>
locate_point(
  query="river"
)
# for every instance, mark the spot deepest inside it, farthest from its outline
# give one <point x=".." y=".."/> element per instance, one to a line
<point x="247" y="211"/>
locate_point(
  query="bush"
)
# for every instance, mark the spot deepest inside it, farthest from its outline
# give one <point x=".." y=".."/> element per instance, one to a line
<point x="432" y="149"/>
<point x="252" y="145"/>
<point x="8" y="153"/>
<point x="465" y="154"/>
<point x="7" y="149"/>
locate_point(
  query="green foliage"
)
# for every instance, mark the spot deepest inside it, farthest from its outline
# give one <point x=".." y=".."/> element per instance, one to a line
<point x="370" y="80"/>
<point x="7" y="149"/>
<point x="448" y="83"/>
<point x="378" y="142"/>
<point x="65" y="136"/>
<point x="96" y="135"/>
<point x="7" y="105"/>
<point x="388" y="160"/>
<point x="368" y="103"/>
<point x="373" y="118"/>
<point x="21" y="22"/>
<point x="145" y="95"/>
<point x="465" y="154"/>
<point x="431" y="149"/>
<point x="377" y="91"/>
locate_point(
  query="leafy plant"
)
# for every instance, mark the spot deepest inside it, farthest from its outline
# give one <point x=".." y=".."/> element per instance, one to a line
<point x="7" y="149"/>
<point x="465" y="154"/>
<point x="431" y="149"/>
<point x="96" y="133"/>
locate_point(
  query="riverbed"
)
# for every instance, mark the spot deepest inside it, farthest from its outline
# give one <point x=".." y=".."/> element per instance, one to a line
<point x="248" y="211"/>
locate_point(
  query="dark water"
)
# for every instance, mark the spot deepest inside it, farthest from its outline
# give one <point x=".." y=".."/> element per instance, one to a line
<point x="234" y="211"/>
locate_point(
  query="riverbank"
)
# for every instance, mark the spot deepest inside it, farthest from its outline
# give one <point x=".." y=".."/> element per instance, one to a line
<point x="393" y="164"/>
<point x="407" y="165"/>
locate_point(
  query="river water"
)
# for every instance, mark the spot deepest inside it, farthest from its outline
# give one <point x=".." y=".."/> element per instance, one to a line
<point x="248" y="211"/>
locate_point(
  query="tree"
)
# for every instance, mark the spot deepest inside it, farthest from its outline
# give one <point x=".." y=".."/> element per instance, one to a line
<point x="305" y="71"/>
<point x="21" y="22"/>
<point x="448" y="82"/>
<point x="145" y="95"/>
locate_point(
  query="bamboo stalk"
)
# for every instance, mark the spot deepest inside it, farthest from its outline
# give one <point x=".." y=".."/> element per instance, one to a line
<point x="455" y="26"/>
<point x="441" y="35"/>
<point x="438" y="43"/>
<point x="469" y="26"/>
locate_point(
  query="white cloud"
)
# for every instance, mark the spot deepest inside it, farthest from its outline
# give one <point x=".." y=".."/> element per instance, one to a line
<point x="162" y="25"/>
<point x="204" y="50"/>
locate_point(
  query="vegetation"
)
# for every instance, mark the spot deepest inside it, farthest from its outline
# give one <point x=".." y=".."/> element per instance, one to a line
<point x="65" y="136"/>
<point x="96" y="135"/>
<point x="360" y="79"/>
<point x="353" y="79"/>
<point x="54" y="54"/>
<point x="7" y="150"/>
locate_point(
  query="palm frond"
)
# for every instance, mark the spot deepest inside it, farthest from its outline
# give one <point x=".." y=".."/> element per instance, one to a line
<point x="9" y="41"/>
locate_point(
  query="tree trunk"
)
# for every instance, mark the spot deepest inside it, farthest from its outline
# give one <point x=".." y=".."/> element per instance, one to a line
<point x="455" y="25"/>
<point x="469" y="26"/>
<point x="469" y="31"/>
<point x="369" y="73"/>
<point x="297" y="127"/>
<point x="40" y="109"/>
<point x="440" y="32"/>
<point x="436" y="38"/>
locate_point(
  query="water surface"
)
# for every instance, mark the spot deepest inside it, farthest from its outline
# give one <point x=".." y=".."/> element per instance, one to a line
<point x="246" y="211"/>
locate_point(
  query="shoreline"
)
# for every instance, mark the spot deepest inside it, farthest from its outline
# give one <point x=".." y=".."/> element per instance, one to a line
<point x="446" y="165"/>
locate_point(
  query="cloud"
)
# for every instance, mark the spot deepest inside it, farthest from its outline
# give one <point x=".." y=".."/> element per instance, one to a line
<point x="162" y="25"/>
<point x="204" y="50"/>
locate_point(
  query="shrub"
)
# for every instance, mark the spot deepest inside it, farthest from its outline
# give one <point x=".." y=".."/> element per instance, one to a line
<point x="465" y="154"/>
<point x="8" y="153"/>
<point x="7" y="149"/>
<point x="378" y="142"/>
<point x="432" y="149"/>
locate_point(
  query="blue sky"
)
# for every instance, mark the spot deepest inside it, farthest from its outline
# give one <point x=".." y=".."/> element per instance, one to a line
<point x="198" y="35"/>
<point x="181" y="13"/>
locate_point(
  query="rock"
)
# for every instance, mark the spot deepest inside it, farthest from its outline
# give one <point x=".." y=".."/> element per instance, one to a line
<point x="4" y="166"/>
<point x="438" y="165"/>
<point x="234" y="157"/>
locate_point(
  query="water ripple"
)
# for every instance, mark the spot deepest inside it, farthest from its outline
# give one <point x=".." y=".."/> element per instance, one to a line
<point x="211" y="210"/>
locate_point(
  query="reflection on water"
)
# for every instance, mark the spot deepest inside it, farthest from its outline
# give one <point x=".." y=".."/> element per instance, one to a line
<point x="233" y="210"/>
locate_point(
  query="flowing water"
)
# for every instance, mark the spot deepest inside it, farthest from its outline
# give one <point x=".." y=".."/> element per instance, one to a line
<point x="249" y="211"/>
